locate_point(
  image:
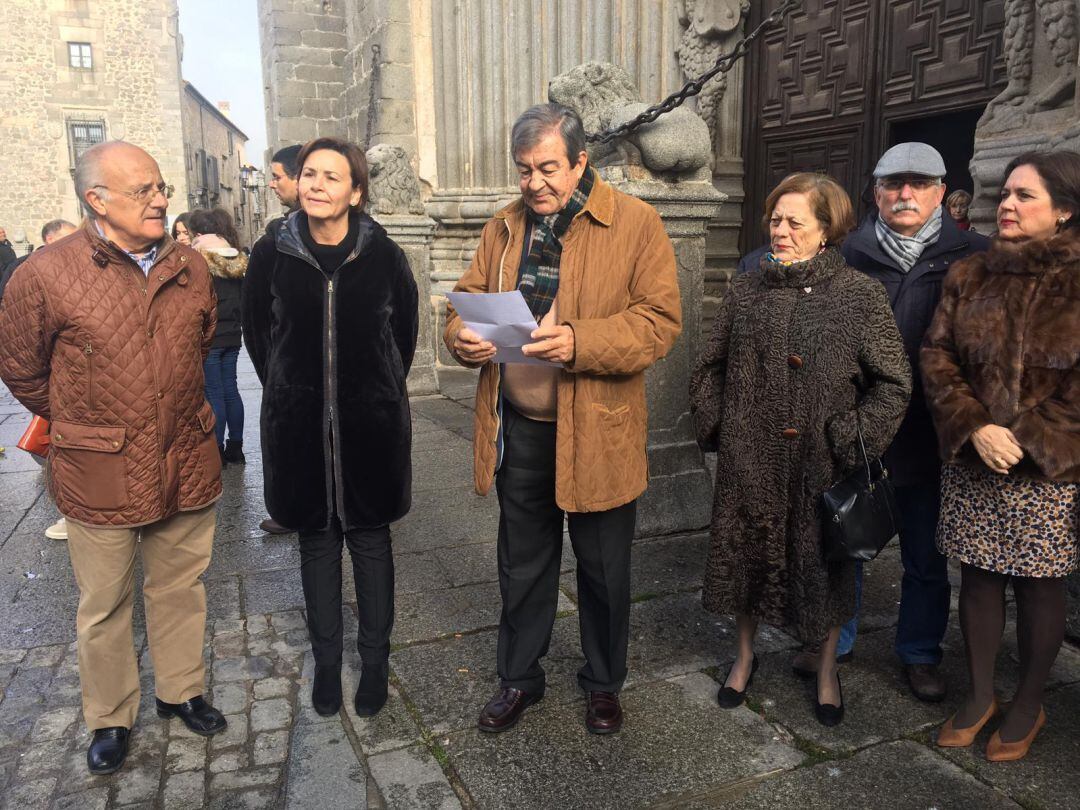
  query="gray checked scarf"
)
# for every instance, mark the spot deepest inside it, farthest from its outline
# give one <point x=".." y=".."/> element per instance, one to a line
<point x="538" y="278"/>
<point x="906" y="250"/>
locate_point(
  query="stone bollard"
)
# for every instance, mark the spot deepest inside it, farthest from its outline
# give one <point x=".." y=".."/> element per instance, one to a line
<point x="394" y="202"/>
<point x="680" y="485"/>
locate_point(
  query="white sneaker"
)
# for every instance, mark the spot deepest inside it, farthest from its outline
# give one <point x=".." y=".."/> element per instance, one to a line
<point x="58" y="531"/>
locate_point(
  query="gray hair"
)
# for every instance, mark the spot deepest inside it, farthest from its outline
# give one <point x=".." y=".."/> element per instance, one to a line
<point x="53" y="226"/>
<point x="88" y="175"/>
<point x="538" y="121"/>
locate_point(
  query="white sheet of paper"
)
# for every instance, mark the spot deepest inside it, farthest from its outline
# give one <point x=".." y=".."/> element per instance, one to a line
<point x="503" y="318"/>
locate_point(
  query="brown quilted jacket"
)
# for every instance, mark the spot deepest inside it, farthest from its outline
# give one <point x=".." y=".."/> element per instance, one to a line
<point x="618" y="291"/>
<point x="1004" y="349"/>
<point x="113" y="359"/>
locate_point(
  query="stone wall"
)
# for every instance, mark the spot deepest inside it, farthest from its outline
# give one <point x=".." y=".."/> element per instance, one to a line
<point x="133" y="88"/>
<point x="303" y="49"/>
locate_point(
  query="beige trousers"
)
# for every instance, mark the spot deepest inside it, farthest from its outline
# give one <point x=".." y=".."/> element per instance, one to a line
<point x="175" y="552"/>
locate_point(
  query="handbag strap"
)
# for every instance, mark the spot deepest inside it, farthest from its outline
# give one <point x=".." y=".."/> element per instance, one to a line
<point x="862" y="447"/>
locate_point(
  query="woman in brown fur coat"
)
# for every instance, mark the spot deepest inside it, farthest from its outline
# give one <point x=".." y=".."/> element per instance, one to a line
<point x="802" y="348"/>
<point x="1001" y="363"/>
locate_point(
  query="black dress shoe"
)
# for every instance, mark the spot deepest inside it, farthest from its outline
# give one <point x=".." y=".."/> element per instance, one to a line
<point x="826" y="713"/>
<point x="729" y="698"/>
<point x="505" y="708"/>
<point x="271" y="526"/>
<point x="373" y="688"/>
<point x="603" y="714"/>
<point x="197" y="714"/>
<point x="326" y="690"/>
<point x="107" y="750"/>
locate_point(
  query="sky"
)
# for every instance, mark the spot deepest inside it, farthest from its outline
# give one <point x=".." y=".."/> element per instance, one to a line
<point x="222" y="60"/>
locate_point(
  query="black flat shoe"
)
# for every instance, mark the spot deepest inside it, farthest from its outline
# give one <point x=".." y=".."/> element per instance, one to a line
<point x="107" y="750"/>
<point x="326" y="690"/>
<point x="197" y="714"/>
<point x="373" y="689"/>
<point x="729" y="698"/>
<point x="826" y="713"/>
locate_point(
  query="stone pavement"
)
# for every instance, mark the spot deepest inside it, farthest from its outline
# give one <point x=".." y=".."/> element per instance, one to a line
<point x="678" y="748"/>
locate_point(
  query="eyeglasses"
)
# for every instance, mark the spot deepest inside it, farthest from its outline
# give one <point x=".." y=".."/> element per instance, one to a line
<point x="916" y="183"/>
<point x="144" y="194"/>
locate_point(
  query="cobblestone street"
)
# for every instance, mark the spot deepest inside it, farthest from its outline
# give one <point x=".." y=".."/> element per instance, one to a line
<point x="678" y="748"/>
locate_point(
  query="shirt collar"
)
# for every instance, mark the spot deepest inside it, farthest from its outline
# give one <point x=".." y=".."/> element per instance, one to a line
<point x="144" y="260"/>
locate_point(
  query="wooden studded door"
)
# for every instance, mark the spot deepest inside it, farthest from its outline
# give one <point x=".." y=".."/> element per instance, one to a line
<point x="825" y="91"/>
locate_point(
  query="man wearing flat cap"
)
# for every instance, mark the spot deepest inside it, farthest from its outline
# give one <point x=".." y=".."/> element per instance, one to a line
<point x="908" y="245"/>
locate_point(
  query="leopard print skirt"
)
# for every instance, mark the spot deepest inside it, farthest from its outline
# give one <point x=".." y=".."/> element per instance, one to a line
<point x="1009" y="525"/>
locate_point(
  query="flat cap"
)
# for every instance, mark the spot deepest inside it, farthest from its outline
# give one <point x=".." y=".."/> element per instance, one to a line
<point x="911" y="158"/>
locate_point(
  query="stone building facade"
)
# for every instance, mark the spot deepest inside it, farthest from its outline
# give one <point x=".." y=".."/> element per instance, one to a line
<point x="218" y="174"/>
<point x="74" y="73"/>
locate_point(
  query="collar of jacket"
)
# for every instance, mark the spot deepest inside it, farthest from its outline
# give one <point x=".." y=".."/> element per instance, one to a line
<point x="1034" y="257"/>
<point x="813" y="271"/>
<point x="864" y="240"/>
<point x="109" y="251"/>
<point x="600" y="205"/>
<point x="289" y="240"/>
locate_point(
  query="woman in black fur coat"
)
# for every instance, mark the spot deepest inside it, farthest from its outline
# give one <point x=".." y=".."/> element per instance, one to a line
<point x="330" y="320"/>
<point x="803" y="349"/>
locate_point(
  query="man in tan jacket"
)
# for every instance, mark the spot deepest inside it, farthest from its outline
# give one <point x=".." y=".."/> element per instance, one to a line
<point x="104" y="334"/>
<point x="567" y="439"/>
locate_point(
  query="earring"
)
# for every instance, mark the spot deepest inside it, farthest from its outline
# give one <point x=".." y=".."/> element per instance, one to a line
<point x="1062" y="220"/>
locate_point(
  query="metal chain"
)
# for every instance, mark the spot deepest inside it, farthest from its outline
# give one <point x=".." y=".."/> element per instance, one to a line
<point x="373" y="79"/>
<point x="692" y="88"/>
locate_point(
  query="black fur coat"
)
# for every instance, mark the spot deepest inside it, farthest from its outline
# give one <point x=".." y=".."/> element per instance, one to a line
<point x="794" y="353"/>
<point x="332" y="353"/>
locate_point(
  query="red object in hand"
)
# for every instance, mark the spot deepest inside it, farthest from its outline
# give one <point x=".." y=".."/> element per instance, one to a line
<point x="36" y="437"/>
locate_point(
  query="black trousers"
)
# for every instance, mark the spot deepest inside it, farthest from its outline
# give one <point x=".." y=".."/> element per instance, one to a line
<point x="373" y="574"/>
<point x="530" y="552"/>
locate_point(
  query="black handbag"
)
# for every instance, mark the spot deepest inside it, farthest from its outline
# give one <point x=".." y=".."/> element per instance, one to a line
<point x="859" y="514"/>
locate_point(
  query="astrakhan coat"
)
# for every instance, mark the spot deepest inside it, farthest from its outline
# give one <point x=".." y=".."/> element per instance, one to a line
<point x="333" y="353"/>
<point x="795" y="354"/>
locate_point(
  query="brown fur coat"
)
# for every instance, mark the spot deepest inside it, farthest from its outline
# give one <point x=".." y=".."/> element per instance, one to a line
<point x="794" y="355"/>
<point x="1004" y="349"/>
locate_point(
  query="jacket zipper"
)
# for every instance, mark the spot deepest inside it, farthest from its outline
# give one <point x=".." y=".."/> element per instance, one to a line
<point x="89" y="349"/>
<point x="331" y="435"/>
<point x="500" y="446"/>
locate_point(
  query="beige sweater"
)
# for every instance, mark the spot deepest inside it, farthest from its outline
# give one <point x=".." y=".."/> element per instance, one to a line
<point x="532" y="389"/>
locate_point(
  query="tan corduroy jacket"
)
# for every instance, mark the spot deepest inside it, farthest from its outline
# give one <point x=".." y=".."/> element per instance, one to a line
<point x="619" y="292"/>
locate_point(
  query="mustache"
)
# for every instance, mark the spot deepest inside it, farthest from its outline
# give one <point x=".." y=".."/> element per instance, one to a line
<point x="905" y="205"/>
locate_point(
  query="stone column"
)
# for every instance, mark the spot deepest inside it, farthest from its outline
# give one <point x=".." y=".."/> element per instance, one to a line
<point x="680" y="486"/>
<point x="394" y="201"/>
<point x="414" y="235"/>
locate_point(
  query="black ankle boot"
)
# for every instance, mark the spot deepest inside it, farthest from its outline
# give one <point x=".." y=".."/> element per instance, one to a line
<point x="234" y="451"/>
<point x="372" y="691"/>
<point x="326" y="689"/>
<point x="221" y="452"/>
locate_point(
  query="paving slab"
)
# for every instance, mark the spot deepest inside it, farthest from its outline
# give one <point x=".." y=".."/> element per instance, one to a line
<point x="635" y="768"/>
<point x="323" y="770"/>
<point x="910" y="776"/>
<point x="411" y="779"/>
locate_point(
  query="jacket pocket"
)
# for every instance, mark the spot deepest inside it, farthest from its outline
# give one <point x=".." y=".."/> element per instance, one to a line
<point x="88" y="350"/>
<point x="612" y="414"/>
<point x="89" y="468"/>
<point x="206" y="441"/>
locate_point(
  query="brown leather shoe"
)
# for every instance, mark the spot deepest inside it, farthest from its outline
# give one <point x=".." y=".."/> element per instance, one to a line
<point x="505" y="708"/>
<point x="926" y="682"/>
<point x="604" y="715"/>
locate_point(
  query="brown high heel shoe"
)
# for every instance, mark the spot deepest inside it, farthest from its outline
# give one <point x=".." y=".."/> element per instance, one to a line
<point x="998" y="751"/>
<point x="951" y="737"/>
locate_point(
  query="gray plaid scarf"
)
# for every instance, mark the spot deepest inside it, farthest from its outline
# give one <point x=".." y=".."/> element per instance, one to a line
<point x="906" y="250"/>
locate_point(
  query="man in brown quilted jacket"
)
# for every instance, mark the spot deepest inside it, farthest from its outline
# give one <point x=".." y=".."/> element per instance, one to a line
<point x="568" y="438"/>
<point x="104" y="334"/>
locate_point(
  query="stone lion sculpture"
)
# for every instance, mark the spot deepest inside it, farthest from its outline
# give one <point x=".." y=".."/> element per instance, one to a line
<point x="604" y="96"/>
<point x="393" y="186"/>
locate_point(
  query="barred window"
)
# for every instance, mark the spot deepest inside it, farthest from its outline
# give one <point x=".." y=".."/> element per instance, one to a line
<point x="82" y="135"/>
<point x="80" y="55"/>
